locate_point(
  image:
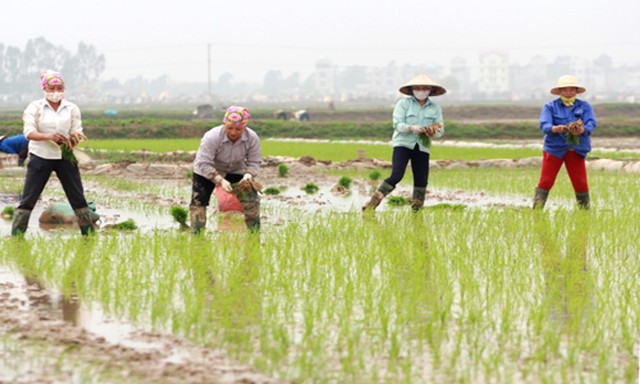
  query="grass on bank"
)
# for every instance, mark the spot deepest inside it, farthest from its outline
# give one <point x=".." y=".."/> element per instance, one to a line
<point x="333" y="151"/>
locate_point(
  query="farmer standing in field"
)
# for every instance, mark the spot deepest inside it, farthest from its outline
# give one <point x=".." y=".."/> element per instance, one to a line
<point x="567" y="124"/>
<point x="416" y="119"/>
<point x="228" y="154"/>
<point x="53" y="126"/>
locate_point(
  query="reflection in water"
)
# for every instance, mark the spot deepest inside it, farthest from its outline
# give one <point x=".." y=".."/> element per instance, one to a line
<point x="235" y="297"/>
<point x="64" y="305"/>
<point x="568" y="283"/>
<point x="57" y="306"/>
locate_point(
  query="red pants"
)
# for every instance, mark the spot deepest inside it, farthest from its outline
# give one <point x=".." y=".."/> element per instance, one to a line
<point x="576" y="168"/>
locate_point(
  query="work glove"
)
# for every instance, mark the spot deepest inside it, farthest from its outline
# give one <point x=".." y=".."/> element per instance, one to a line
<point x="223" y="183"/>
<point x="416" y="129"/>
<point x="247" y="176"/>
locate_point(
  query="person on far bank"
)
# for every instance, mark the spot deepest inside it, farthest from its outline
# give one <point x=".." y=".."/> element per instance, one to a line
<point x="416" y="119"/>
<point x="53" y="127"/>
<point x="567" y="123"/>
<point x="228" y="154"/>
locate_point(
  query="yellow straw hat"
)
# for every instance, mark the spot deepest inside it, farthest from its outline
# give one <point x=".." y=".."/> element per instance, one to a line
<point x="436" y="89"/>
<point x="567" y="81"/>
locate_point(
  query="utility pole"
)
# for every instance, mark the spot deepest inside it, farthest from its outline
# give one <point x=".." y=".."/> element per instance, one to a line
<point x="209" y="67"/>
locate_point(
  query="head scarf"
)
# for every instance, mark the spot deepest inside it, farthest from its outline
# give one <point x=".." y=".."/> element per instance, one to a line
<point x="238" y="116"/>
<point x="49" y="77"/>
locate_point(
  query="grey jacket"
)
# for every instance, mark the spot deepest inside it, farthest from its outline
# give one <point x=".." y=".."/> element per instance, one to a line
<point x="218" y="155"/>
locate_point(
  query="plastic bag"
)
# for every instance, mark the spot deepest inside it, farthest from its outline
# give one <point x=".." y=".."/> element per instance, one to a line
<point x="227" y="201"/>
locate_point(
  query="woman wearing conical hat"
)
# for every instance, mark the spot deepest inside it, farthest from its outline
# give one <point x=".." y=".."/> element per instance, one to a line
<point x="567" y="123"/>
<point x="416" y="119"/>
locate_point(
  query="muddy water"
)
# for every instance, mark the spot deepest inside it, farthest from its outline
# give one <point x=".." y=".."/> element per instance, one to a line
<point x="46" y="338"/>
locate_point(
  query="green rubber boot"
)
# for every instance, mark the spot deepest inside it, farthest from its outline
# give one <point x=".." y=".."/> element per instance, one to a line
<point x="418" y="198"/>
<point x="383" y="190"/>
<point x="20" y="222"/>
<point x="198" y="218"/>
<point x="85" y="221"/>
<point x="540" y="198"/>
<point x="583" y="200"/>
<point x="250" y="202"/>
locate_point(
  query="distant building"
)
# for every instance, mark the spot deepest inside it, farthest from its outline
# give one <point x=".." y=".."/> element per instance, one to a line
<point x="325" y="78"/>
<point x="493" y="74"/>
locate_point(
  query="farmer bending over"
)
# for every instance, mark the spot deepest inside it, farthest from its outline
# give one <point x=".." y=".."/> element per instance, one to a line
<point x="15" y="145"/>
<point x="228" y="154"/>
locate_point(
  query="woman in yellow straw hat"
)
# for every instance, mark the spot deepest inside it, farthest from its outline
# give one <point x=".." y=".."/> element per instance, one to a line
<point x="567" y="124"/>
<point x="416" y="119"/>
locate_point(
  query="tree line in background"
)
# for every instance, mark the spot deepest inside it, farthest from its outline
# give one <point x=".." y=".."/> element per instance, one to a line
<point x="20" y="69"/>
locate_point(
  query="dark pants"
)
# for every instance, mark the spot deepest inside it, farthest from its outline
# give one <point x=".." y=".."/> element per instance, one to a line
<point x="38" y="173"/>
<point x="250" y="201"/>
<point x="419" y="166"/>
<point x="202" y="188"/>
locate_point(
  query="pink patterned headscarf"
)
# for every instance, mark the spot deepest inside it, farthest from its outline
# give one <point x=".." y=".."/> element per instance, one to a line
<point x="238" y="116"/>
<point x="49" y="77"/>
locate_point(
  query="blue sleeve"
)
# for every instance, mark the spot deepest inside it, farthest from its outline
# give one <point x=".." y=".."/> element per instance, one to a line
<point x="589" y="119"/>
<point x="546" y="119"/>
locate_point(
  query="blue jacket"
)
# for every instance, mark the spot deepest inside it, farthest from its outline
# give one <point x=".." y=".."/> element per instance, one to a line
<point x="13" y="144"/>
<point x="556" y="113"/>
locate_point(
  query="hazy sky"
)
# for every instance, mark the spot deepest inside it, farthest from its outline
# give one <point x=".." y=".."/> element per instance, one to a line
<point x="249" y="38"/>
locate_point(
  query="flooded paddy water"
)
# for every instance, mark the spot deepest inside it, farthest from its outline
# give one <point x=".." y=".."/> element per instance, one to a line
<point x="485" y="293"/>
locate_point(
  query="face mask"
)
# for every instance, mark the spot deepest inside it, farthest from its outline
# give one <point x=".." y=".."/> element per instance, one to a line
<point x="568" y="101"/>
<point x="421" y="95"/>
<point x="54" y="97"/>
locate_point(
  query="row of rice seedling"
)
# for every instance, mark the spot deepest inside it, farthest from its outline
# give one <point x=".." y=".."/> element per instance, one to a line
<point x="466" y="295"/>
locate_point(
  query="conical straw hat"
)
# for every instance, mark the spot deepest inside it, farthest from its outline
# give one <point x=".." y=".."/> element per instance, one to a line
<point x="567" y="81"/>
<point x="436" y="89"/>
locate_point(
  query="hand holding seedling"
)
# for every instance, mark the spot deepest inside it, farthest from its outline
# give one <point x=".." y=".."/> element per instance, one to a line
<point x="575" y="127"/>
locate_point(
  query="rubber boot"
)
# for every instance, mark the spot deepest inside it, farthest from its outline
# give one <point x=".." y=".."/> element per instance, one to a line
<point x="198" y="218"/>
<point x="418" y="198"/>
<point x="383" y="190"/>
<point x="20" y="222"/>
<point x="85" y="221"/>
<point x="583" y="200"/>
<point x="540" y="198"/>
<point x="250" y="202"/>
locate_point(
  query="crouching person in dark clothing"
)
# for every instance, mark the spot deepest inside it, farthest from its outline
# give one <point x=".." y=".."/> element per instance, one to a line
<point x="15" y="145"/>
<point x="228" y="154"/>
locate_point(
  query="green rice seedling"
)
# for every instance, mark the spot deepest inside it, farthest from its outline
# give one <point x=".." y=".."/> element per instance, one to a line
<point x="7" y="212"/>
<point x="180" y="215"/>
<point x="446" y="206"/>
<point x="126" y="225"/>
<point x="449" y="295"/>
<point x="311" y="188"/>
<point x="345" y="182"/>
<point x="283" y="170"/>
<point x="374" y="175"/>
<point x="271" y="191"/>
<point x="397" y="201"/>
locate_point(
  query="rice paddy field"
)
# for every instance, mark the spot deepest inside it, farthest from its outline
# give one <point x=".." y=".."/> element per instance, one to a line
<point x="456" y="293"/>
